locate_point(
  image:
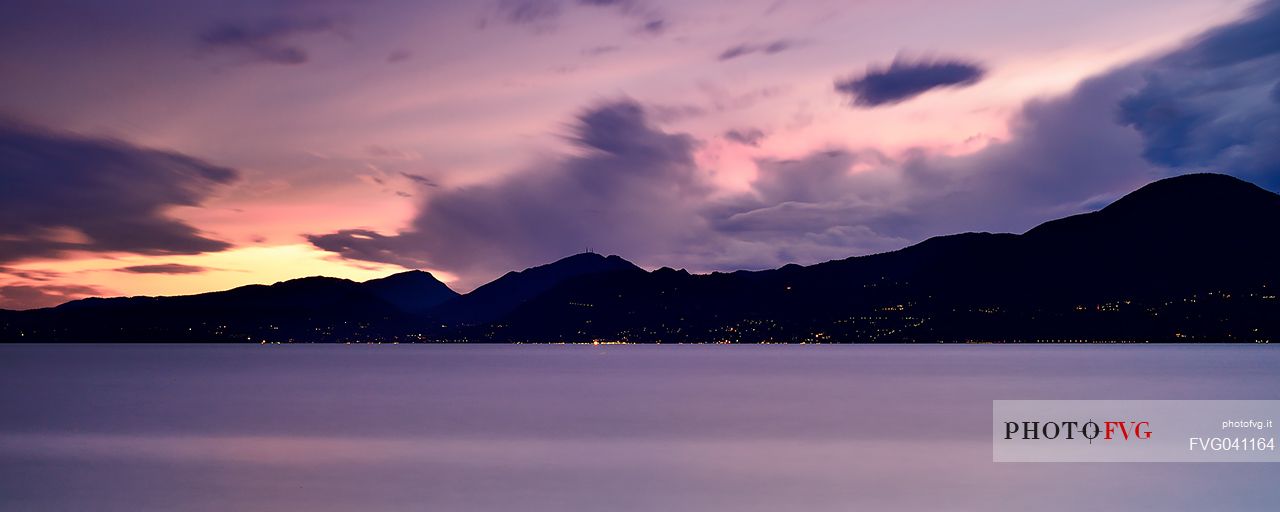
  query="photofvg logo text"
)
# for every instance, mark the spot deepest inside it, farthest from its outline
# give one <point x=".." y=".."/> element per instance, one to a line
<point x="1134" y="430"/>
<point x="1088" y="430"/>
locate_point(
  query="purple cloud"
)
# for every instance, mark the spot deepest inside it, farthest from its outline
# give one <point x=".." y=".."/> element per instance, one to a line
<point x="631" y="191"/>
<point x="1212" y="105"/>
<point x="62" y="192"/>
<point x="635" y="190"/>
<point x="163" y="268"/>
<point x="653" y="27"/>
<point x="420" y="179"/>
<point x="267" y="40"/>
<point x="542" y="14"/>
<point x="903" y="80"/>
<point x="525" y="12"/>
<point x="745" y="49"/>
<point x="745" y="136"/>
<point x="23" y="296"/>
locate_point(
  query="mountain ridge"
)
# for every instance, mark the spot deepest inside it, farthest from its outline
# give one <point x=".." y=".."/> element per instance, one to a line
<point x="1157" y="251"/>
<point x="498" y="297"/>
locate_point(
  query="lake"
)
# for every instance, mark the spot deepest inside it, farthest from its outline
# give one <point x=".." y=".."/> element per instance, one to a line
<point x="591" y="428"/>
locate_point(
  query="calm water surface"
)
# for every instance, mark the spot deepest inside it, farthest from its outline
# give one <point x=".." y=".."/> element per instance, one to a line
<point x="581" y="428"/>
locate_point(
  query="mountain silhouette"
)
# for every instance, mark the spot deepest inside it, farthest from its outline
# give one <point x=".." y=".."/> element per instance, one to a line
<point x="504" y="294"/>
<point x="501" y="296"/>
<point x="1183" y="258"/>
<point x="310" y="308"/>
<point x="1190" y="258"/>
<point x="411" y="292"/>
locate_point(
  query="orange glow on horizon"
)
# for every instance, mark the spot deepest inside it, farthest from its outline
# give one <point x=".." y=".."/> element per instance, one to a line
<point x="222" y="270"/>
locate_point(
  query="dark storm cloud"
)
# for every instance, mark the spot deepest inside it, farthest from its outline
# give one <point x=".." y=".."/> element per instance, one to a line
<point x="745" y="136"/>
<point x="745" y="49"/>
<point x="61" y="192"/>
<point x="629" y="191"/>
<point x="1211" y="105"/>
<point x="163" y="268"/>
<point x="904" y="79"/>
<point x="267" y="40"/>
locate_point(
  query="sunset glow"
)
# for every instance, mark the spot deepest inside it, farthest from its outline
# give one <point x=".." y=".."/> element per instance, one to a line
<point x="460" y="130"/>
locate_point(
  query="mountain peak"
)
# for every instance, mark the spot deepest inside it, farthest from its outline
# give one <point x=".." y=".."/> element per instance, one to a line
<point x="505" y="293"/>
<point x="581" y="263"/>
<point x="1221" y="205"/>
<point x="587" y="257"/>
<point x="407" y="276"/>
<point x="1192" y="191"/>
<point x="580" y="257"/>
<point x="414" y="291"/>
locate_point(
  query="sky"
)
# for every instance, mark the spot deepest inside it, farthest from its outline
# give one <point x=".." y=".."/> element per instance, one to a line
<point x="159" y="148"/>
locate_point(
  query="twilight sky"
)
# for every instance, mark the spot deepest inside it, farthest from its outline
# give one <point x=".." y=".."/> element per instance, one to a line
<point x="178" y="147"/>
